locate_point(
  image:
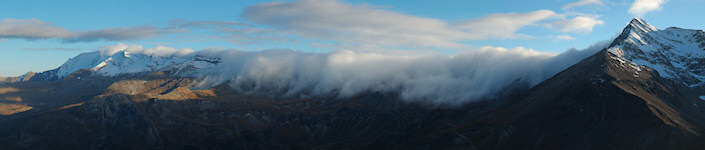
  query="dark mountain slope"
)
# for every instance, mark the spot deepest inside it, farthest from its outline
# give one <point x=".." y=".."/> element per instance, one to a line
<point x="603" y="103"/>
<point x="227" y="120"/>
<point x="596" y="104"/>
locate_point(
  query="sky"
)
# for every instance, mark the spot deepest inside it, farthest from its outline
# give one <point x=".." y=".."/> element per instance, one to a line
<point x="41" y="35"/>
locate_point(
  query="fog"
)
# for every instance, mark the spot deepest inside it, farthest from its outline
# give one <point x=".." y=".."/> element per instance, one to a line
<point x="420" y="76"/>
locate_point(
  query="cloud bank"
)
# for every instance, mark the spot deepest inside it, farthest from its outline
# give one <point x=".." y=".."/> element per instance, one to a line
<point x="421" y="76"/>
<point x="416" y="76"/>
<point x="641" y="7"/>
<point x="159" y="51"/>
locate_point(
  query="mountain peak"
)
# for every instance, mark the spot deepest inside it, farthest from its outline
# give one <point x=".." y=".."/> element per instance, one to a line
<point x="645" y="26"/>
<point x="634" y="31"/>
<point x="674" y="53"/>
<point x="640" y="25"/>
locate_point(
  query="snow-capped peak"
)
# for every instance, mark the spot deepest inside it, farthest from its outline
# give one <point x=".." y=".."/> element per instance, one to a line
<point x="122" y="59"/>
<point x="639" y="25"/>
<point x="674" y="53"/>
<point x="635" y="32"/>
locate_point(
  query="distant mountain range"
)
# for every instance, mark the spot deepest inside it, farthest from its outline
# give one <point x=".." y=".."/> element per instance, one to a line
<point x="644" y="91"/>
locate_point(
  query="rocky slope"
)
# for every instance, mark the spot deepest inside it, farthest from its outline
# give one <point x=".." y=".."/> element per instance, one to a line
<point x="23" y="78"/>
<point x="615" y="99"/>
<point x="4" y="80"/>
<point x="159" y="112"/>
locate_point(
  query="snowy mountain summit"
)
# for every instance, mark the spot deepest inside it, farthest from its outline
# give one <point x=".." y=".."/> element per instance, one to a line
<point x="128" y="59"/>
<point x="675" y="53"/>
<point x="118" y="63"/>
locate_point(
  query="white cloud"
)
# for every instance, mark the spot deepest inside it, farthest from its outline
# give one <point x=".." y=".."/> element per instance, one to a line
<point x="504" y="25"/>
<point x="583" y="3"/>
<point x="36" y="29"/>
<point x="369" y="26"/>
<point x="564" y="37"/>
<point x="337" y="23"/>
<point x="580" y="24"/>
<point x="641" y="7"/>
<point x="159" y="51"/>
<point x="119" y="34"/>
<point x="31" y="29"/>
<point x="230" y="31"/>
<point x="425" y="76"/>
<point x="207" y="24"/>
<point x="361" y="24"/>
<point x="416" y="75"/>
<point x="55" y="48"/>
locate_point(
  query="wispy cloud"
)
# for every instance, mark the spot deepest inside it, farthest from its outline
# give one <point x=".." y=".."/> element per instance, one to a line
<point x="207" y="24"/>
<point x="362" y="24"/>
<point x="120" y="34"/>
<point x="335" y="23"/>
<point x="641" y="7"/>
<point x="32" y="29"/>
<point x="504" y="25"/>
<point x="231" y="31"/>
<point x="563" y="37"/>
<point x="583" y="3"/>
<point x="55" y="48"/>
<point x="578" y="24"/>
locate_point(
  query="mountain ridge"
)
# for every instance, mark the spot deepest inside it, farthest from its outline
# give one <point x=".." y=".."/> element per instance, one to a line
<point x="606" y="99"/>
<point x="675" y="53"/>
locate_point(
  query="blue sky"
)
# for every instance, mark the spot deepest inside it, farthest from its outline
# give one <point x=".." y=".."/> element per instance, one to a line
<point x="41" y="35"/>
